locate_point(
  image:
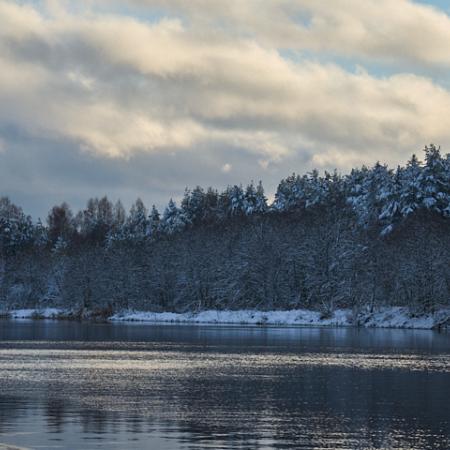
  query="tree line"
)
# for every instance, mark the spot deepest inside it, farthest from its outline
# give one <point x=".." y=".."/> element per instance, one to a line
<point x="375" y="236"/>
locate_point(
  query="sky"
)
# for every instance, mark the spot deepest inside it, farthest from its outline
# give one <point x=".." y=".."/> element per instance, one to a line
<point x="143" y="98"/>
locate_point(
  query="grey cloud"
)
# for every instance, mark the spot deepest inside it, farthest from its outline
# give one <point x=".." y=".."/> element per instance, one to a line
<point x="38" y="173"/>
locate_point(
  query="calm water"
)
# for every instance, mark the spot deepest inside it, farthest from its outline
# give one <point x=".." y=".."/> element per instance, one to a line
<point x="87" y="386"/>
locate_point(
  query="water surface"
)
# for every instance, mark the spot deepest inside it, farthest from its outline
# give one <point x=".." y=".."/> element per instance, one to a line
<point x="87" y="386"/>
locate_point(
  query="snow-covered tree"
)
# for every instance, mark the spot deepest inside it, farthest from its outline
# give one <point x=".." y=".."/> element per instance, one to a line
<point x="154" y="220"/>
<point x="370" y="195"/>
<point x="315" y="191"/>
<point x="410" y="189"/>
<point x="173" y="219"/>
<point x="249" y="199"/>
<point x="237" y="200"/>
<point x="260" y="200"/>
<point x="16" y="228"/>
<point x="40" y="235"/>
<point x="334" y="190"/>
<point x="328" y="252"/>
<point x="434" y="188"/>
<point x="291" y="193"/>
<point x="136" y="224"/>
<point x="446" y="205"/>
<point x="231" y="202"/>
<point x="193" y="205"/>
<point x="255" y="202"/>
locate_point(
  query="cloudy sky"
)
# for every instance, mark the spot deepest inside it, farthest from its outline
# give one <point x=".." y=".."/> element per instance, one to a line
<point x="145" y="97"/>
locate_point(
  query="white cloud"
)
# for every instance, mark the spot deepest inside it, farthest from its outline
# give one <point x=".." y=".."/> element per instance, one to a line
<point x="392" y="30"/>
<point x="211" y="73"/>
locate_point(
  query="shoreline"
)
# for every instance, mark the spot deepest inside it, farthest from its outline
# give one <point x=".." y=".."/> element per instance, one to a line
<point x="382" y="317"/>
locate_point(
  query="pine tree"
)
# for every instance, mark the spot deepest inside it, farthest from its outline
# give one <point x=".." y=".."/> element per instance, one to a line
<point x="446" y="202"/>
<point x="231" y="202"/>
<point x="334" y="190"/>
<point x="370" y="194"/>
<point x="237" y="201"/>
<point x="249" y="205"/>
<point x="16" y="228"/>
<point x="260" y="200"/>
<point x="434" y="188"/>
<point x="173" y="220"/>
<point x="40" y="235"/>
<point x="410" y="190"/>
<point x="136" y="225"/>
<point x="154" y="221"/>
<point x="211" y="206"/>
<point x="291" y="194"/>
<point x="193" y="205"/>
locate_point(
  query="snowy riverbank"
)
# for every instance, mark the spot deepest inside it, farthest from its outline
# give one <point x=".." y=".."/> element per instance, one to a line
<point x="387" y="317"/>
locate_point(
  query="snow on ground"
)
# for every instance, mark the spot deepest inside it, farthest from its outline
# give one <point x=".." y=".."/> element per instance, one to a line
<point x="386" y="317"/>
<point x="294" y="317"/>
<point x="397" y="317"/>
<point x="46" y="313"/>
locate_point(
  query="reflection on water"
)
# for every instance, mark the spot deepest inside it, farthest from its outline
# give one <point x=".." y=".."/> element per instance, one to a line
<point x="70" y="385"/>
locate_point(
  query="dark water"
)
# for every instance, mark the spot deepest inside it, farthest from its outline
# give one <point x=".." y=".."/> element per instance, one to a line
<point x="87" y="386"/>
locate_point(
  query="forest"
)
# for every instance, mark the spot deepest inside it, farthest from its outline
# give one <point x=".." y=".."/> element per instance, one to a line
<point x="376" y="236"/>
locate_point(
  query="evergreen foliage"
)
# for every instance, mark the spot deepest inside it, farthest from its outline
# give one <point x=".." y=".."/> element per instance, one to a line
<point x="373" y="236"/>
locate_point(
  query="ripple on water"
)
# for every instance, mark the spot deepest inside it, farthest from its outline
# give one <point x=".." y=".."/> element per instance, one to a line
<point x="216" y="392"/>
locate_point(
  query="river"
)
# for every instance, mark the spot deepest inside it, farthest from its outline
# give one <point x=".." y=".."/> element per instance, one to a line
<point x="75" y="385"/>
